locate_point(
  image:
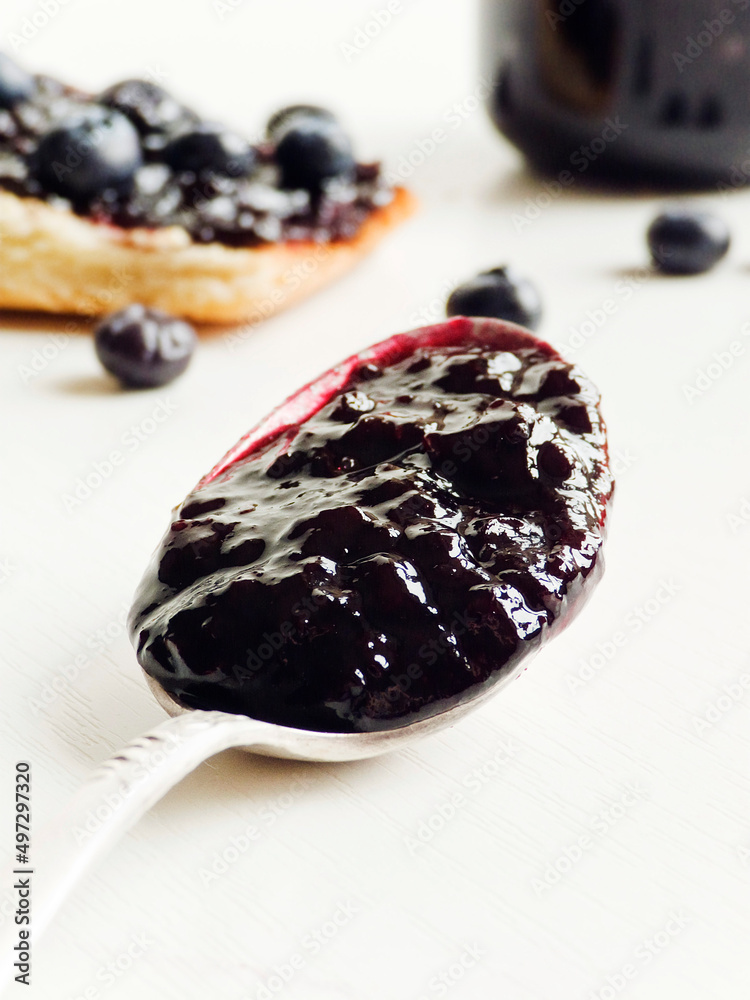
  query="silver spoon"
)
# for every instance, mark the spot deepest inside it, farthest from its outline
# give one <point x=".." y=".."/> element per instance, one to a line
<point x="123" y="788"/>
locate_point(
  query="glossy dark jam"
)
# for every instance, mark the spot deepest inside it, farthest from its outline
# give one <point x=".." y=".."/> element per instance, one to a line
<point x="404" y="548"/>
<point x="239" y="211"/>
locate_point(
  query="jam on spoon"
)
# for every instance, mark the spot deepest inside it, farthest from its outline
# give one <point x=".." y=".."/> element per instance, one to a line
<point x="390" y="543"/>
<point x="455" y="476"/>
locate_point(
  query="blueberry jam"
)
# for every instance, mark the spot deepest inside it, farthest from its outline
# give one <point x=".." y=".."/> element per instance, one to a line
<point x="154" y="163"/>
<point x="391" y="542"/>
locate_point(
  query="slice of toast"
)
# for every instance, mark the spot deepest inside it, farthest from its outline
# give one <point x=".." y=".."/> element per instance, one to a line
<point x="128" y="196"/>
<point x="55" y="261"/>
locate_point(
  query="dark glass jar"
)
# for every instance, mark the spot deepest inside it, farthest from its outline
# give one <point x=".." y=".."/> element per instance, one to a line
<point x="631" y="90"/>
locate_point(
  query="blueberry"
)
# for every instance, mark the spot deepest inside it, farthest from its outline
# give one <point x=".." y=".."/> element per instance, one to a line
<point x="144" y="348"/>
<point x="212" y="149"/>
<point x="499" y="293"/>
<point x="683" y="241"/>
<point x="281" y="120"/>
<point x="15" y="83"/>
<point x="314" y="150"/>
<point x="88" y="154"/>
<point x="148" y="106"/>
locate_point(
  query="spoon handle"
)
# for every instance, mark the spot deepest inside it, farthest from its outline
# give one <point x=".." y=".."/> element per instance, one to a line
<point x="112" y="799"/>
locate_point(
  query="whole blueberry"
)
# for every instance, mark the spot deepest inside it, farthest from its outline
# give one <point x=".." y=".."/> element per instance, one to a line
<point x="148" y="106"/>
<point x="282" y="119"/>
<point x="15" y="83"/>
<point x="88" y="154"/>
<point x="144" y="348"/>
<point x="212" y="149"/>
<point x="683" y="241"/>
<point x="499" y="293"/>
<point x="313" y="150"/>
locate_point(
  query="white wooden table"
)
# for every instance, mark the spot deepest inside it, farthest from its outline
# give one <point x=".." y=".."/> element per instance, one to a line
<point x="586" y="834"/>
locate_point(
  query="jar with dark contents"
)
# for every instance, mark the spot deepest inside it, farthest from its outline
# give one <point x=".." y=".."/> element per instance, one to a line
<point x="632" y="91"/>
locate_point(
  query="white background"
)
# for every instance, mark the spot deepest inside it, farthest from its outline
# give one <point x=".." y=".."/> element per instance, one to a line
<point x="681" y="844"/>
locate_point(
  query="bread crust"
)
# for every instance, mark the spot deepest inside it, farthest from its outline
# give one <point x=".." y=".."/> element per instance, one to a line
<point x="54" y="261"/>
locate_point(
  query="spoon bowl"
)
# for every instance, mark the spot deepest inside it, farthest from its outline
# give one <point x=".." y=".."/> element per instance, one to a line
<point x="270" y="740"/>
<point x="123" y="788"/>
